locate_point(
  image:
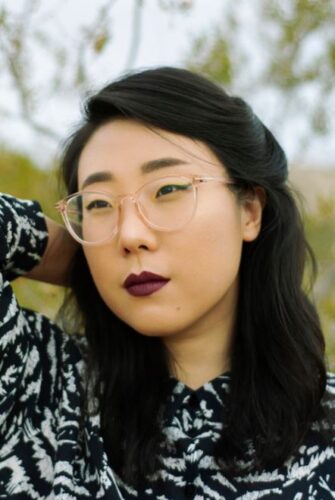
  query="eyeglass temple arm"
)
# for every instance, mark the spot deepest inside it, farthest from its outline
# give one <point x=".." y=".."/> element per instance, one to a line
<point x="206" y="179"/>
<point x="60" y="206"/>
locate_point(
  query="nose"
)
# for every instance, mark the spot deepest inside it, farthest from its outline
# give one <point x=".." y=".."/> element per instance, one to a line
<point x="133" y="232"/>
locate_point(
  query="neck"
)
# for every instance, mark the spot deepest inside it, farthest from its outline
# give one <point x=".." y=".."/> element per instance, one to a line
<point x="194" y="364"/>
<point x="200" y="355"/>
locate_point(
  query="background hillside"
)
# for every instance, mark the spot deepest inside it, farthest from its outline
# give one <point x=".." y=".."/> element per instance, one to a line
<point x="20" y="177"/>
<point x="315" y="186"/>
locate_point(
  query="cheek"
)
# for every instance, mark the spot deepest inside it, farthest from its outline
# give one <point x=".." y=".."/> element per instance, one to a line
<point x="103" y="272"/>
<point x="213" y="249"/>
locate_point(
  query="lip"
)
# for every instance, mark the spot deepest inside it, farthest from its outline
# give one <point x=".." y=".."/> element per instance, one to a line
<point x="144" y="277"/>
<point x="144" y="283"/>
<point x="147" y="288"/>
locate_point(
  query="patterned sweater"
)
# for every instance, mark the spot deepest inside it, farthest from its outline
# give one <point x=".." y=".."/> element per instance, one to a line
<point x="43" y="454"/>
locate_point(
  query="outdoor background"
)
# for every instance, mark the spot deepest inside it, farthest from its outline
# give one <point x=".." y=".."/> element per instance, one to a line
<point x="277" y="55"/>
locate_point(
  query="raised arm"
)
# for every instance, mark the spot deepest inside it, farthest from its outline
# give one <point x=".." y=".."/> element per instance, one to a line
<point x="23" y="239"/>
<point x="54" y="266"/>
<point x="23" y="236"/>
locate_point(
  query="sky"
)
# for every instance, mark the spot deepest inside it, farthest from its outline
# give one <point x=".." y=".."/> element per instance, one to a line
<point x="165" y="40"/>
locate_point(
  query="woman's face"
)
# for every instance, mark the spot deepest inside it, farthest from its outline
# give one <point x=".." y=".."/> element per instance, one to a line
<point x="201" y="260"/>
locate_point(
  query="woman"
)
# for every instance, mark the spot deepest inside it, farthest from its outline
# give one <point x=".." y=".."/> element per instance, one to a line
<point x="201" y="372"/>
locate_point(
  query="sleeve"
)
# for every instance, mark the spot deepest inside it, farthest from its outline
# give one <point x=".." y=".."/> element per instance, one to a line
<point x="23" y="236"/>
<point x="23" y="239"/>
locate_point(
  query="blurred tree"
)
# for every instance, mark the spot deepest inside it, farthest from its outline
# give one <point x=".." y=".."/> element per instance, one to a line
<point x="22" y="178"/>
<point x="280" y="50"/>
<point x="284" y="48"/>
<point x="320" y="230"/>
<point x="70" y="59"/>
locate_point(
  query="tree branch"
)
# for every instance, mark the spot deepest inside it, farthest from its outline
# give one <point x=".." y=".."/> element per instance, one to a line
<point x="38" y="127"/>
<point x="136" y="34"/>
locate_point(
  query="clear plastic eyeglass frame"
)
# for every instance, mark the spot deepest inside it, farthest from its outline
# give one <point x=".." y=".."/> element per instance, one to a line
<point x="195" y="181"/>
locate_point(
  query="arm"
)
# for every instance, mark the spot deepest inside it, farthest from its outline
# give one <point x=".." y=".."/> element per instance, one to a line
<point x="54" y="266"/>
<point x="23" y="236"/>
<point x="23" y="239"/>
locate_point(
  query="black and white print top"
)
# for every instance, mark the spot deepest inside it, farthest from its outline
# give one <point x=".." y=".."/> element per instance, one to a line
<point x="44" y="456"/>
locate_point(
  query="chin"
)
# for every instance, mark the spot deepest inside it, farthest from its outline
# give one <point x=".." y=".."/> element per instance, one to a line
<point x="153" y="323"/>
<point x="152" y="332"/>
<point x="163" y="331"/>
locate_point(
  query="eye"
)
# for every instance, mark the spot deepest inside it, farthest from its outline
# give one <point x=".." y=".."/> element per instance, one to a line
<point x="98" y="204"/>
<point x="171" y="188"/>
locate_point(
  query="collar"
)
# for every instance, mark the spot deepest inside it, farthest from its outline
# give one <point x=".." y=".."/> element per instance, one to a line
<point x="209" y="398"/>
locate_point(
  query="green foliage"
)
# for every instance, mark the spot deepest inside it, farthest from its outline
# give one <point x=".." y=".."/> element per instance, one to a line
<point x="320" y="230"/>
<point x="20" y="177"/>
<point x="286" y="47"/>
<point x="296" y="25"/>
<point x="38" y="296"/>
<point x="331" y="55"/>
<point x="100" y="42"/>
<point x="219" y="65"/>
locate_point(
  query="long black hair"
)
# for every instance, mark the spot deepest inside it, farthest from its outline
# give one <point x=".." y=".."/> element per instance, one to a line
<point x="278" y="372"/>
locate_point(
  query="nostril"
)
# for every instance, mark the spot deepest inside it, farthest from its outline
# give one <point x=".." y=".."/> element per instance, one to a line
<point x="142" y="247"/>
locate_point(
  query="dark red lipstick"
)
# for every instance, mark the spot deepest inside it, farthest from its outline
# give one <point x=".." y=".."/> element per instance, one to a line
<point x="145" y="283"/>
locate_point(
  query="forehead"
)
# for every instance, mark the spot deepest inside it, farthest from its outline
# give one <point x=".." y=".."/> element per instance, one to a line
<point x="122" y="146"/>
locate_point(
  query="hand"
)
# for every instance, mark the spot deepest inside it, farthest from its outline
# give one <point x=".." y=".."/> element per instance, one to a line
<point x="55" y="264"/>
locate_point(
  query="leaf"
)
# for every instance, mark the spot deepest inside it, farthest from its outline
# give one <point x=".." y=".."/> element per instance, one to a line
<point x="213" y="58"/>
<point x="100" y="42"/>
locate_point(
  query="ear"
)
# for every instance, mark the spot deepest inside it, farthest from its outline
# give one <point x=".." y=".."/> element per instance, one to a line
<point x="252" y="209"/>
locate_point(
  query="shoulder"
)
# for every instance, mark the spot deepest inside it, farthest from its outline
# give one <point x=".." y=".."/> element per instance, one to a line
<point x="331" y="381"/>
<point x="23" y="235"/>
<point x="325" y="424"/>
<point x="80" y="341"/>
<point x="329" y="396"/>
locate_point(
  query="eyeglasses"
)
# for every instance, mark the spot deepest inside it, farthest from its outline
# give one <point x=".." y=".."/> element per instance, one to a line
<point x="164" y="204"/>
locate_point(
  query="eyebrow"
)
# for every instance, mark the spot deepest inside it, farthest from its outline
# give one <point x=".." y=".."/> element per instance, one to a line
<point x="146" y="168"/>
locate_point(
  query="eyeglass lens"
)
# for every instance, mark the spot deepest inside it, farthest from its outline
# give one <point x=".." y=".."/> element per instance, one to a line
<point x="166" y="204"/>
